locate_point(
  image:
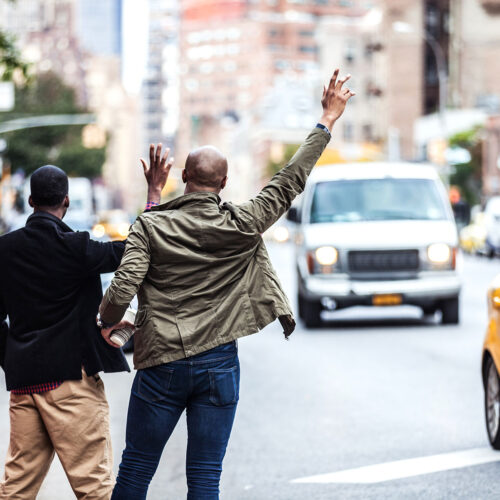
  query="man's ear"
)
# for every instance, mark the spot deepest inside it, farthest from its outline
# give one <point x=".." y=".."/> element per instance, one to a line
<point x="66" y="201"/>
<point x="223" y="183"/>
<point x="30" y="201"/>
<point x="184" y="176"/>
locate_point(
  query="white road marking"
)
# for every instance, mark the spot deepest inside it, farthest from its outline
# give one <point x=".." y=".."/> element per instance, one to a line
<point x="400" y="469"/>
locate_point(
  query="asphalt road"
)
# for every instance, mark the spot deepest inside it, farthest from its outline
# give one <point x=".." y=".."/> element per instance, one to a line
<point x="371" y="387"/>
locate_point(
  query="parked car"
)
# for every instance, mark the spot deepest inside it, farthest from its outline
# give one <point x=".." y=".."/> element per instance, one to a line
<point x="473" y="237"/>
<point x="113" y="223"/>
<point x="376" y="234"/>
<point x="491" y="364"/>
<point x="492" y="226"/>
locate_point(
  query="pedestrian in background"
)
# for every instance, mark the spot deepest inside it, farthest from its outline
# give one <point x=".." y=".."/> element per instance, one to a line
<point x="51" y="350"/>
<point x="203" y="279"/>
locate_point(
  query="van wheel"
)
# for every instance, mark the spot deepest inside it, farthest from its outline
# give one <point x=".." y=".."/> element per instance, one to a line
<point x="429" y="311"/>
<point x="492" y="403"/>
<point x="311" y="312"/>
<point x="450" y="311"/>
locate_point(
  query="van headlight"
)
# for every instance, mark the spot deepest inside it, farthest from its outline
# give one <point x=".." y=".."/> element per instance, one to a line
<point x="439" y="253"/>
<point x="322" y="260"/>
<point x="326" y="256"/>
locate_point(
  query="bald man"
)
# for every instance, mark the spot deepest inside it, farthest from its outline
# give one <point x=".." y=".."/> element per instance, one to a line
<point x="203" y="280"/>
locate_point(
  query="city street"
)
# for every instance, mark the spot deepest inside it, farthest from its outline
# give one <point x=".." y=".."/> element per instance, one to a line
<point x="371" y="387"/>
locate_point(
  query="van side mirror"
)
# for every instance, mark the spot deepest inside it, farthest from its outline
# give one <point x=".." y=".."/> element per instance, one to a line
<point x="293" y="215"/>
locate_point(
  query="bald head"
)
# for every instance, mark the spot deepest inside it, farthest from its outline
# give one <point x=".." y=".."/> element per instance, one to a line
<point x="206" y="170"/>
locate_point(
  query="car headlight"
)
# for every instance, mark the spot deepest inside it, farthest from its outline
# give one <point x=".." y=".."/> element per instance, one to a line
<point x="281" y="234"/>
<point x="439" y="253"/>
<point x="98" y="231"/>
<point x="123" y="229"/>
<point x="326" y="256"/>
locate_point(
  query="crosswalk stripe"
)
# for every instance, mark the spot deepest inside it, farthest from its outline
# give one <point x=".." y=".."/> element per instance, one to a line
<point x="412" y="467"/>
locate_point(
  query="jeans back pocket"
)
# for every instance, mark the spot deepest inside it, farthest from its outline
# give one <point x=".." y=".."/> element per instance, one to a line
<point x="154" y="383"/>
<point x="224" y="386"/>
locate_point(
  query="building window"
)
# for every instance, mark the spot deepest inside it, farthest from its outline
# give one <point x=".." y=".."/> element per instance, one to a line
<point x="368" y="132"/>
<point x="350" y="52"/>
<point x="347" y="131"/>
<point x="308" y="49"/>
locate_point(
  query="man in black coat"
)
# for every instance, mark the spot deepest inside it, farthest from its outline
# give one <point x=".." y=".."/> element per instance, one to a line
<point x="52" y="350"/>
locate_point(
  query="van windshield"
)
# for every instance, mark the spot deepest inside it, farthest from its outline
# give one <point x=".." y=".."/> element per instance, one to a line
<point x="377" y="199"/>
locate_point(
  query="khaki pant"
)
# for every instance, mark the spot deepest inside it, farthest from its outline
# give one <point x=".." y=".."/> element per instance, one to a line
<point x="72" y="421"/>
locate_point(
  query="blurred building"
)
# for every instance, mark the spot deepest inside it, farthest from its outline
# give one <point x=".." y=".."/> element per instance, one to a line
<point x="233" y="54"/>
<point x="354" y="45"/>
<point x="474" y="58"/>
<point x="51" y="34"/>
<point x="160" y="90"/>
<point x="99" y="26"/>
<point x="491" y="157"/>
<point x="46" y="33"/>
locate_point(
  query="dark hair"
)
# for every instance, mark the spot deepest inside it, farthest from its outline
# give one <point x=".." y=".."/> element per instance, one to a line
<point x="49" y="186"/>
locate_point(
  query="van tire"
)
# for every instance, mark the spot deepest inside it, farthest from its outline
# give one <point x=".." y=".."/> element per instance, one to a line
<point x="310" y="312"/>
<point x="450" y="311"/>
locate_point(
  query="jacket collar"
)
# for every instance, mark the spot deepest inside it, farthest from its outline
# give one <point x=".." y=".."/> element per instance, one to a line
<point x="45" y="217"/>
<point x="189" y="199"/>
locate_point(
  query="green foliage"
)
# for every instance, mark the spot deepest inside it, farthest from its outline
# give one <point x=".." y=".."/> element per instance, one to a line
<point x="31" y="148"/>
<point x="79" y="161"/>
<point x="274" y="167"/>
<point x="467" y="176"/>
<point x="10" y="58"/>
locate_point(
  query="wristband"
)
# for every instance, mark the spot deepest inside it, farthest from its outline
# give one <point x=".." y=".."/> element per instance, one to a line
<point x="324" y="127"/>
<point x="151" y="204"/>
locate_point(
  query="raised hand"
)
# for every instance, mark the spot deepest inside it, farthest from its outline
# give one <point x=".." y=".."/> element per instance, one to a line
<point x="334" y="99"/>
<point x="157" y="172"/>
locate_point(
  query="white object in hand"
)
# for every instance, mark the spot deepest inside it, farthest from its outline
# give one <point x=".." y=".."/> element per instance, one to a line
<point x="122" y="335"/>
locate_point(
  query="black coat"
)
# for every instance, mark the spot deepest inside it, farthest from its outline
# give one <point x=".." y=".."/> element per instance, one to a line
<point x="50" y="288"/>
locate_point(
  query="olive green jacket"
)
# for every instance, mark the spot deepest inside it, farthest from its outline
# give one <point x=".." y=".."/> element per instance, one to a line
<point x="201" y="269"/>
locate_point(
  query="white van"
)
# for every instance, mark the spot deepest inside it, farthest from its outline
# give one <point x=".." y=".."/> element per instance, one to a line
<point x="376" y="234"/>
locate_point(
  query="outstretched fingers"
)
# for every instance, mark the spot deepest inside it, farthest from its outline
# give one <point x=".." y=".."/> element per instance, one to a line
<point x="333" y="79"/>
<point x="151" y="153"/>
<point x="169" y="165"/>
<point x="164" y="158"/>
<point x="342" y="81"/>
<point x="158" y="153"/>
<point x="144" y="166"/>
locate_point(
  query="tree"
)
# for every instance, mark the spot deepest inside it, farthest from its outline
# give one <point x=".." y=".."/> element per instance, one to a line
<point x="274" y="167"/>
<point x="31" y="148"/>
<point x="10" y="59"/>
<point x="467" y="176"/>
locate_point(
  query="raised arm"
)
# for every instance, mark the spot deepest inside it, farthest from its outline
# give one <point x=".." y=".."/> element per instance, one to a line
<point x="102" y="257"/>
<point x="277" y="196"/>
<point x="135" y="262"/>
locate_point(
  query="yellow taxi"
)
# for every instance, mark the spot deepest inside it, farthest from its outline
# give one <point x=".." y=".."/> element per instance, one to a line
<point x="113" y="223"/>
<point x="473" y="237"/>
<point x="491" y="365"/>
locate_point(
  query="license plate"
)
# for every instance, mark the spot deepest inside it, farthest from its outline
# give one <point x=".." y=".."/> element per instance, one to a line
<point x="388" y="299"/>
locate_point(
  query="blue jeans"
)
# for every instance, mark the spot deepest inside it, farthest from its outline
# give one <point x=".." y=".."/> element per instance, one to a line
<point x="207" y="386"/>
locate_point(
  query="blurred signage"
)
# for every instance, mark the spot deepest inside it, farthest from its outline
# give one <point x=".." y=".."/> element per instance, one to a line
<point x="6" y="96"/>
<point x="436" y="151"/>
<point x="93" y="136"/>
<point x="457" y="156"/>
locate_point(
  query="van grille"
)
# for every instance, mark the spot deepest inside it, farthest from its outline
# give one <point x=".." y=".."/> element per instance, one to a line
<point x="383" y="260"/>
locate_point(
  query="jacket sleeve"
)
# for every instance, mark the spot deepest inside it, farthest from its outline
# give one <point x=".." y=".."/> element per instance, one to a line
<point x="4" y="330"/>
<point x="129" y="276"/>
<point x="102" y="257"/>
<point x="276" y="197"/>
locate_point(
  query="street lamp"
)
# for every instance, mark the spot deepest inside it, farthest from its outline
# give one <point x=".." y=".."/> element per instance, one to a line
<point x="402" y="27"/>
